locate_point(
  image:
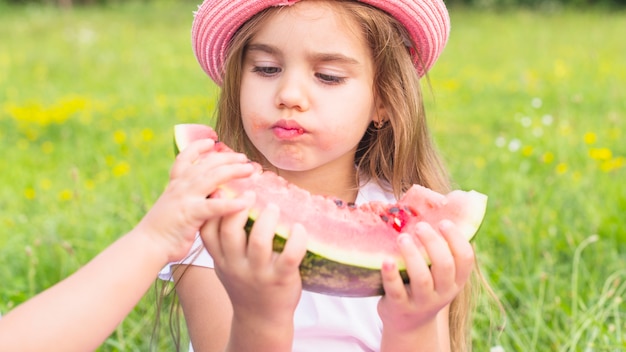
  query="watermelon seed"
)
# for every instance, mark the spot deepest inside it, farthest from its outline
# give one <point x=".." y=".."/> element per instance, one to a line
<point x="397" y="224"/>
<point x="393" y="210"/>
<point x="351" y="205"/>
<point x="339" y="203"/>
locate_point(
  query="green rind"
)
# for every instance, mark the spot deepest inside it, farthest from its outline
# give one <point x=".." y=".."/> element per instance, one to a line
<point x="325" y="276"/>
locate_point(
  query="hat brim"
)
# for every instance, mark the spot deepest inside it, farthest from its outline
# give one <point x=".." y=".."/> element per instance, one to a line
<point x="216" y="22"/>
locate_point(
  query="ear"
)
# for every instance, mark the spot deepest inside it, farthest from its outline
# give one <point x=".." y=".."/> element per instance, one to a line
<point x="380" y="117"/>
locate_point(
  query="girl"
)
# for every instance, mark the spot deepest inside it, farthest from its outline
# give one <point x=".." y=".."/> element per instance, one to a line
<point x="80" y="312"/>
<point x="327" y="95"/>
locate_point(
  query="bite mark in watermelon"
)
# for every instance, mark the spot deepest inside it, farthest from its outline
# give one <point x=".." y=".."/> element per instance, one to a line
<point x="346" y="244"/>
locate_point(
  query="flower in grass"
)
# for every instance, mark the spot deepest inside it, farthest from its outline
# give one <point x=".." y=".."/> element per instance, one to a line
<point x="119" y="137"/>
<point x="547" y="119"/>
<point x="590" y="138"/>
<point x="121" y="168"/>
<point x="547" y="157"/>
<point x="536" y="103"/>
<point x="45" y="184"/>
<point x="29" y="193"/>
<point x="500" y="142"/>
<point x="47" y="147"/>
<point x="600" y="154"/>
<point x="147" y="134"/>
<point x="66" y="195"/>
<point x="612" y="164"/>
<point x="514" y="145"/>
<point x="561" y="168"/>
<point x="527" y="150"/>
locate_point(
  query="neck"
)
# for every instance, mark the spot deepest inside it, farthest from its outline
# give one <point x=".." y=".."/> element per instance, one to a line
<point x="340" y="183"/>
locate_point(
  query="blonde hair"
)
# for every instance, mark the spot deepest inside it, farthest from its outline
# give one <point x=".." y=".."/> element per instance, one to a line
<point x="399" y="154"/>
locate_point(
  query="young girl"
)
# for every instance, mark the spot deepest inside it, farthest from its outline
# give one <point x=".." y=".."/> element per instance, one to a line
<point x="327" y="95"/>
<point x="80" y="312"/>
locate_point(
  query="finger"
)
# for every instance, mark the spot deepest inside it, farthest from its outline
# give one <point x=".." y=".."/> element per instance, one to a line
<point x="210" y="238"/>
<point x="294" y="250"/>
<point x="442" y="267"/>
<point x="421" y="279"/>
<point x="262" y="235"/>
<point x="461" y="250"/>
<point x="190" y="155"/>
<point x="392" y="281"/>
<point x="206" y="179"/>
<point x="231" y="234"/>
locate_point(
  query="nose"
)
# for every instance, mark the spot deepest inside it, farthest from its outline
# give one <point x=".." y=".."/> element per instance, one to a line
<point x="292" y="92"/>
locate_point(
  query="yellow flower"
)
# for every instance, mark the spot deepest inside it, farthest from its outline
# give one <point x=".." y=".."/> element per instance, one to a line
<point x="66" y="195"/>
<point x="147" y="134"/>
<point x="561" y="168"/>
<point x="119" y="137"/>
<point x="45" y="184"/>
<point x="480" y="162"/>
<point x="613" y="164"/>
<point x="547" y="157"/>
<point x="30" y="193"/>
<point x="120" y="169"/>
<point x="590" y="138"/>
<point x="527" y="150"/>
<point x="47" y="147"/>
<point x="89" y="184"/>
<point x="601" y="154"/>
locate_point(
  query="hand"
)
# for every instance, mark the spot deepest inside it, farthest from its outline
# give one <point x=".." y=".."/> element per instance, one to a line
<point x="406" y="308"/>
<point x="184" y="206"/>
<point x="264" y="286"/>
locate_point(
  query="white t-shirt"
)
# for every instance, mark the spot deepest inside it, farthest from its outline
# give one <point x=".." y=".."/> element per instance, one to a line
<point x="322" y="322"/>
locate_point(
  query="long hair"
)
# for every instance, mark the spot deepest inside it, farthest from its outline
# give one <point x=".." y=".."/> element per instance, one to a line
<point x="398" y="154"/>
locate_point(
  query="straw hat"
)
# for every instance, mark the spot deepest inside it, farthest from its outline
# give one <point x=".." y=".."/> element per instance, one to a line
<point x="216" y="21"/>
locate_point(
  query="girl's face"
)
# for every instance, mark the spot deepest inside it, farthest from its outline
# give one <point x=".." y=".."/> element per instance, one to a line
<point x="307" y="89"/>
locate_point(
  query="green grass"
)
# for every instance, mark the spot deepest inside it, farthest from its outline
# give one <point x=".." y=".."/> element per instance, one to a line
<point x="526" y="107"/>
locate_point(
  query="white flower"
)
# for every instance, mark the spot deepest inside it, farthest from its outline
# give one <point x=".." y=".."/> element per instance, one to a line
<point x="515" y="145"/>
<point x="536" y="103"/>
<point x="547" y="120"/>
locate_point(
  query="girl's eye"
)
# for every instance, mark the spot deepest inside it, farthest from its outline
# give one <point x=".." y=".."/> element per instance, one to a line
<point x="266" y="71"/>
<point x="330" y="79"/>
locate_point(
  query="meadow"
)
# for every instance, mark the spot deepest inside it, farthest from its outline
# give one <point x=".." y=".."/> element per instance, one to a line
<point x="526" y="107"/>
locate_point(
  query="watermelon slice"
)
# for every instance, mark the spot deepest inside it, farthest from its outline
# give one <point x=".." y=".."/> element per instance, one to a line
<point x="346" y="244"/>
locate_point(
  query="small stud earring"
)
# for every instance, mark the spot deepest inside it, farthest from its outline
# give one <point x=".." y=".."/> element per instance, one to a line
<point x="379" y="124"/>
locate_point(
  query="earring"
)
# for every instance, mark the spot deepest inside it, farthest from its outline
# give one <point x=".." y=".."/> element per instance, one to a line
<point x="379" y="124"/>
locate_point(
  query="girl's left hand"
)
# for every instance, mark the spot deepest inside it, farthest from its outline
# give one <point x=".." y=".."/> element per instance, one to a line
<point x="405" y="308"/>
<point x="263" y="285"/>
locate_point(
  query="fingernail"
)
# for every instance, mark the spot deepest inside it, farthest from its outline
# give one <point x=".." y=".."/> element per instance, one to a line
<point x="445" y="224"/>
<point x="404" y="239"/>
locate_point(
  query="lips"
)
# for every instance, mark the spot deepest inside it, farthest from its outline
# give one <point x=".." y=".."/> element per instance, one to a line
<point x="287" y="129"/>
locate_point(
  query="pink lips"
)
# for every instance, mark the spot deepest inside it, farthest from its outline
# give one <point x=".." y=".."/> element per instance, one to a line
<point x="285" y="129"/>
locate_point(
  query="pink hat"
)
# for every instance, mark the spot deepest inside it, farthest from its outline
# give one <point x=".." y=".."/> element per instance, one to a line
<point x="216" y="21"/>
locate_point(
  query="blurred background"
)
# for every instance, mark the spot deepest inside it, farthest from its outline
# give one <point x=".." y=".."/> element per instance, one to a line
<point x="527" y="105"/>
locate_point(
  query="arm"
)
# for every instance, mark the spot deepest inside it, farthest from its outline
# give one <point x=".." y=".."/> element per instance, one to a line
<point x="80" y="312"/>
<point x="206" y="306"/>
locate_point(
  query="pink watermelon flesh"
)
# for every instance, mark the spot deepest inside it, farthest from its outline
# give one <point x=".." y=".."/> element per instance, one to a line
<point x="346" y="244"/>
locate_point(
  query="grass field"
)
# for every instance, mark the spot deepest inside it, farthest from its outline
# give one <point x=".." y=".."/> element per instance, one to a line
<point x="526" y="107"/>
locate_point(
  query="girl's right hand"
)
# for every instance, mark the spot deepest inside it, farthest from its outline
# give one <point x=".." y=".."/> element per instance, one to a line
<point x="264" y="286"/>
<point x="184" y="206"/>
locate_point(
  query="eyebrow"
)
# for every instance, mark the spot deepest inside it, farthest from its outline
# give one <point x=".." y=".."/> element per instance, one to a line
<point x="315" y="57"/>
